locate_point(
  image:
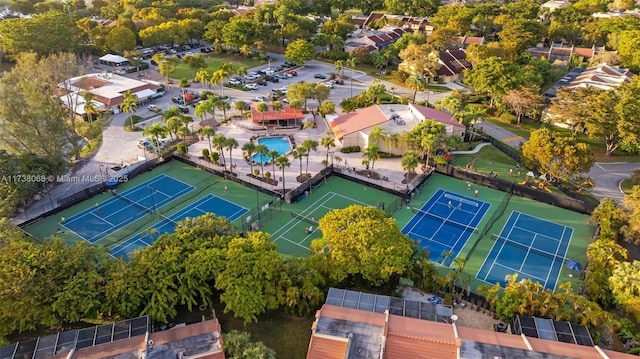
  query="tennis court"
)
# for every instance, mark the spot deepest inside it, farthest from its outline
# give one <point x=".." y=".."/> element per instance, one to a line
<point x="445" y="223"/>
<point x="532" y="247"/>
<point x="291" y="230"/>
<point x="124" y="208"/>
<point x="208" y="204"/>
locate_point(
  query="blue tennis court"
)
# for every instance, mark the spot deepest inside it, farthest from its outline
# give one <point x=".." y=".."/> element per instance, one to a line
<point x="216" y="205"/>
<point x="532" y="247"/>
<point x="445" y="223"/>
<point x="106" y="217"/>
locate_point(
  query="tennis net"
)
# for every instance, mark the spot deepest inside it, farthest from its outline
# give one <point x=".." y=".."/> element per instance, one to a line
<point x="303" y="218"/>
<point x="165" y="218"/>
<point x="130" y="201"/>
<point x="442" y="220"/>
<point x="460" y="200"/>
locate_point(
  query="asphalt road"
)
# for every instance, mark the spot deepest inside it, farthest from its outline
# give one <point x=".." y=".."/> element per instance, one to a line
<point x="607" y="176"/>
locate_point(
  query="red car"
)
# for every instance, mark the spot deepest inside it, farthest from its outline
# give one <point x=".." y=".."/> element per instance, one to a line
<point x="293" y="73"/>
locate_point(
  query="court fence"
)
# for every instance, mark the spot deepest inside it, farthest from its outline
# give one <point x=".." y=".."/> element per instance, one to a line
<point x="511" y="186"/>
<point x="61" y="204"/>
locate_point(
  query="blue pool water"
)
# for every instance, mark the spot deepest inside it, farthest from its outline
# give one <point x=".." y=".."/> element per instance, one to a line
<point x="280" y="144"/>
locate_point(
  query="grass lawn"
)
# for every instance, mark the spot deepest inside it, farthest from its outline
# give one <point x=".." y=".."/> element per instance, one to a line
<point x="287" y="335"/>
<point x="627" y="186"/>
<point x="335" y="13"/>
<point x="597" y="145"/>
<point x="183" y="71"/>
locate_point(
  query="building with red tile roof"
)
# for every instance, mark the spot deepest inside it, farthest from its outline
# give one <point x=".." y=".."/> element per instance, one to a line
<point x="375" y="333"/>
<point x="286" y="115"/>
<point x="352" y="129"/>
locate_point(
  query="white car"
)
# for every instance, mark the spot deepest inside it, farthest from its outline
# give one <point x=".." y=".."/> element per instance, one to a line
<point x="251" y="86"/>
<point x="328" y="84"/>
<point x="253" y="76"/>
<point x="236" y="82"/>
<point x="269" y="72"/>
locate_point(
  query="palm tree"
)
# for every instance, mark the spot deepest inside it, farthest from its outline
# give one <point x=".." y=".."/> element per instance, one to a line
<point x="299" y="153"/>
<point x="308" y="125"/>
<point x="219" y="142"/>
<point x="282" y="162"/>
<point x="226" y="69"/>
<point x="339" y="66"/>
<point x="249" y="149"/>
<point x="231" y="143"/>
<point x="222" y="104"/>
<point x="242" y="71"/>
<point x="262" y="107"/>
<point x="263" y="151"/>
<point x="208" y="131"/>
<point x="328" y="143"/>
<point x="371" y="154"/>
<point x="155" y="131"/>
<point x="203" y="77"/>
<point x="242" y="106"/>
<point x="295" y="105"/>
<point x="309" y="145"/>
<point x="172" y="125"/>
<point x="410" y="161"/>
<point x="245" y="50"/>
<point x="183" y="131"/>
<point x="129" y="105"/>
<point x="172" y="111"/>
<point x="374" y="135"/>
<point x="417" y="82"/>
<point x="273" y="154"/>
<point x="89" y="107"/>
<point x="217" y="78"/>
<point x="277" y="107"/>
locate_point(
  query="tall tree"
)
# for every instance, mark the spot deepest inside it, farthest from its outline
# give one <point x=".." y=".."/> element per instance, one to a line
<point x="309" y="145"/>
<point x="129" y="105"/>
<point x="248" y="150"/>
<point x="328" y="143"/>
<point x="219" y="142"/>
<point x="299" y="51"/>
<point x="362" y="241"/>
<point x="524" y="101"/>
<point x="35" y="119"/>
<point x="251" y="269"/>
<point x="231" y="144"/>
<point x="121" y="39"/>
<point x="282" y="162"/>
<point x="419" y="59"/>
<point x="561" y="158"/>
<point x="416" y="82"/>
<point x="156" y="131"/>
<point x="45" y="34"/>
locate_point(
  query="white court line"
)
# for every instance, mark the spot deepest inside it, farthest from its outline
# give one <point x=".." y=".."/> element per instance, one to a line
<point x="501" y="247"/>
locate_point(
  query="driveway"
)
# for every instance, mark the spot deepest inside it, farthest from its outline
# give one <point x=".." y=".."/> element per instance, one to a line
<point x="608" y="176"/>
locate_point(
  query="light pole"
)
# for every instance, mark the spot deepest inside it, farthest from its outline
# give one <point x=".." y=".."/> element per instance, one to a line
<point x="153" y="201"/>
<point x="101" y="176"/>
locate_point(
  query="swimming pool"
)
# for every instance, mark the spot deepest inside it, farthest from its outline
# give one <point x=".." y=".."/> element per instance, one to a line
<point x="280" y="144"/>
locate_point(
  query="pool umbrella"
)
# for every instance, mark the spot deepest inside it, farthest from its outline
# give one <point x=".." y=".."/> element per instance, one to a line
<point x="573" y="265"/>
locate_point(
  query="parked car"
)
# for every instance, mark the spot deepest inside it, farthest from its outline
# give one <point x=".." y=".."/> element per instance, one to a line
<point x="235" y="82"/>
<point x="261" y="98"/>
<point x="183" y="109"/>
<point x="154" y="108"/>
<point x="156" y="96"/>
<point x="328" y="84"/>
<point x="320" y="76"/>
<point x="289" y="64"/>
<point x="339" y="81"/>
<point x="251" y="86"/>
<point x="272" y="79"/>
<point x="204" y="50"/>
<point x="293" y="73"/>
<point x="268" y="72"/>
<point x="145" y="144"/>
<point x="284" y="76"/>
<point x="262" y="82"/>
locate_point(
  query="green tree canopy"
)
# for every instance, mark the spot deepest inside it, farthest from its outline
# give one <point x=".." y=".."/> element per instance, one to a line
<point x="299" y="51"/>
<point x="559" y="157"/>
<point x="362" y="241"/>
<point x="121" y="39"/>
<point x="45" y="34"/>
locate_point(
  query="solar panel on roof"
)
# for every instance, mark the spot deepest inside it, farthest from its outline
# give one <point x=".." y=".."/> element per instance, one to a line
<point x="545" y="329"/>
<point x="7" y="352"/>
<point x="382" y="303"/>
